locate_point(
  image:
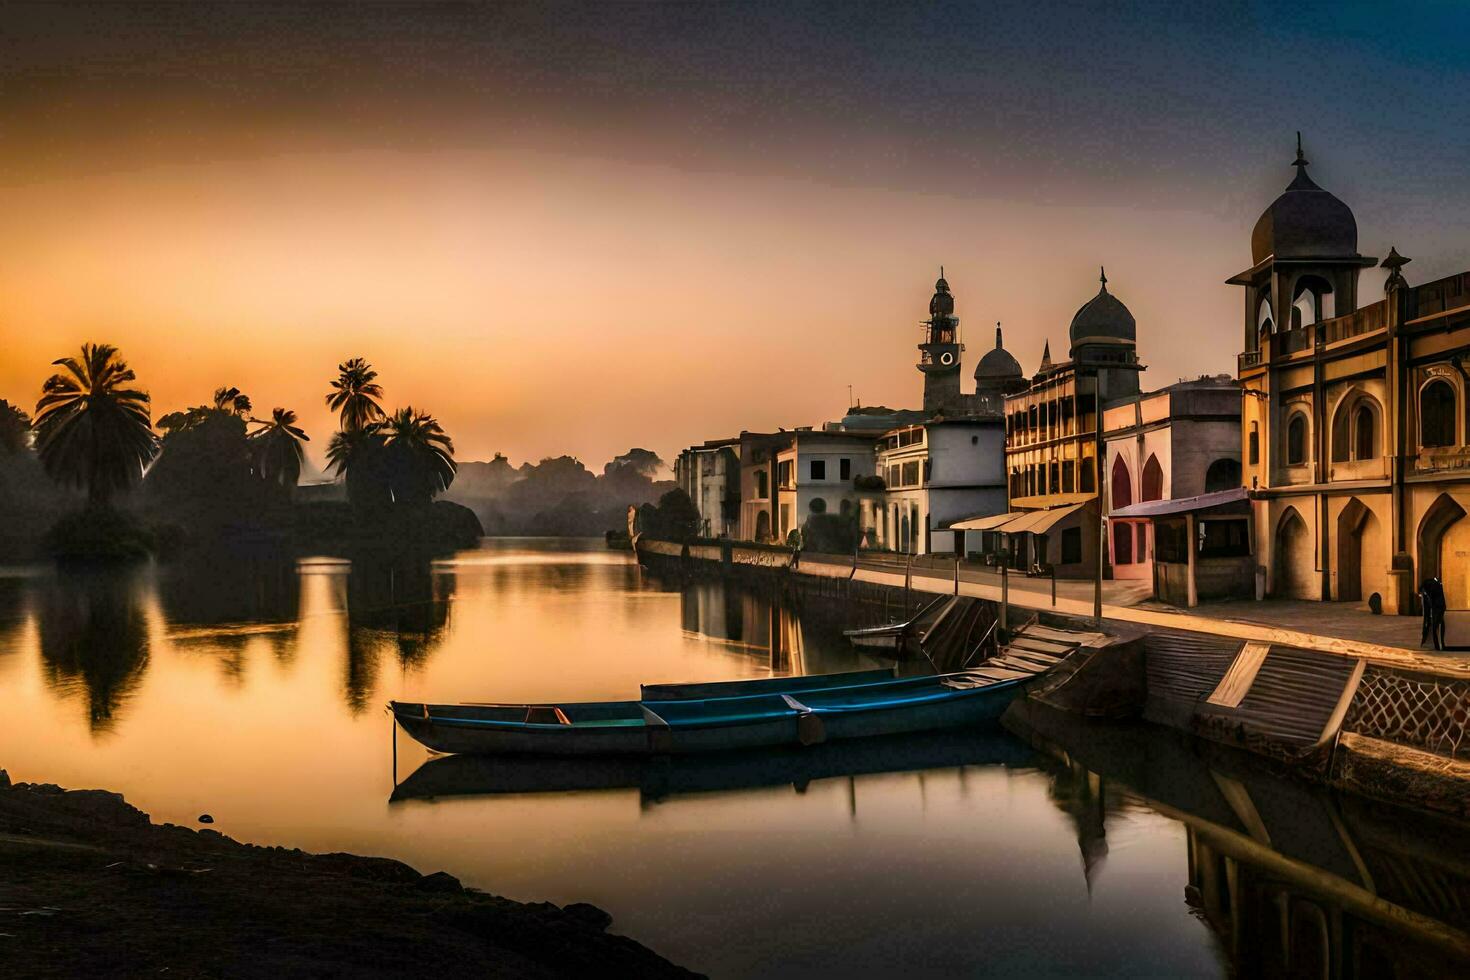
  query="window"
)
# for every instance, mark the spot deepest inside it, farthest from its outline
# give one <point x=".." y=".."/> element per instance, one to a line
<point x="1071" y="546"/>
<point x="1255" y="447"/>
<point x="1223" y="474"/>
<point x="1122" y="485"/>
<point x="1153" y="480"/>
<point x="1223" y="539"/>
<point x="819" y="469"/>
<point x="1296" y="440"/>
<point x="845" y="507"/>
<point x="1122" y="544"/>
<point x="1437" y="412"/>
<point x="844" y="469"/>
<point x="1087" y="476"/>
<point x="910" y="474"/>
<point x="1055" y="481"/>
<point x="1365" y="441"/>
<point x="1069" y="475"/>
<point x="762" y="490"/>
<point x="783" y="475"/>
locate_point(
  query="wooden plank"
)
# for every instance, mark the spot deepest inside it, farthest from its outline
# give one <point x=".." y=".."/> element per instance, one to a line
<point x="1240" y="675"/>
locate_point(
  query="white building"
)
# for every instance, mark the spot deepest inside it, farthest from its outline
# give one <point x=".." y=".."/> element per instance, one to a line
<point x="817" y="473"/>
<point x="934" y="474"/>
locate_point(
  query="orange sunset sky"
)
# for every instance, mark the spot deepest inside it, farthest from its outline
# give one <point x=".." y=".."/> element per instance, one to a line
<point x="575" y="231"/>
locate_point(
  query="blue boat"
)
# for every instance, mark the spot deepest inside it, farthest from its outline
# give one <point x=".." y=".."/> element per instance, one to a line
<point x="729" y="715"/>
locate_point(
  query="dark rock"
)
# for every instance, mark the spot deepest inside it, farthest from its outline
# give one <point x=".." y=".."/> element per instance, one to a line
<point x="440" y="881"/>
<point x="589" y="914"/>
<point x="205" y="818"/>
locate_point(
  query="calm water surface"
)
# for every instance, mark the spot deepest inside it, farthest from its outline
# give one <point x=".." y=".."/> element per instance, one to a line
<point x="255" y="691"/>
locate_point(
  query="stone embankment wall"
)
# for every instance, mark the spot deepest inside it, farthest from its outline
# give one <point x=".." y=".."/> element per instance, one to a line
<point x="1371" y="727"/>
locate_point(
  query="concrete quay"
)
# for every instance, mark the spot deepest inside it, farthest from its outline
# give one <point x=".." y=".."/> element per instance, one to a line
<point x="1356" y="707"/>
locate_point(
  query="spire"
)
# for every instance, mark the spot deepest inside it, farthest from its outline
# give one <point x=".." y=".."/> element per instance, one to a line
<point x="997" y="335"/>
<point x="1102" y="277"/>
<point x="1394" y="263"/>
<point x="1301" y="182"/>
<point x="1046" y="357"/>
<point x="1301" y="160"/>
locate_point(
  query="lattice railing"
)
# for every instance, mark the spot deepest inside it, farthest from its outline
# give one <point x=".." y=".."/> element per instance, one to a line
<point x="1425" y="712"/>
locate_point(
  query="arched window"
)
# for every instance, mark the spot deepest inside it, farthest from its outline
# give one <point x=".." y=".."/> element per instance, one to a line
<point x="1264" y="321"/>
<point x="1296" y="440"/>
<point x="1153" y="480"/>
<point x="1122" y="485"/>
<point x="1223" y="474"/>
<point x="1365" y="440"/>
<point x="1437" y="410"/>
<point x="1355" y="429"/>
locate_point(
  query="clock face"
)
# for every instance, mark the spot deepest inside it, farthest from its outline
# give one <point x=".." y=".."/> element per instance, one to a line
<point x="947" y="358"/>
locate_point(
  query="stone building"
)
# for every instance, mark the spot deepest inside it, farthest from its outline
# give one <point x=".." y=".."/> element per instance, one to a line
<point x="934" y="474"/>
<point x="1354" y="426"/>
<point x="940" y="355"/>
<point x="1180" y="441"/>
<point x="758" y="498"/>
<point x="818" y="472"/>
<point x="1052" y="430"/>
<point x="710" y="474"/>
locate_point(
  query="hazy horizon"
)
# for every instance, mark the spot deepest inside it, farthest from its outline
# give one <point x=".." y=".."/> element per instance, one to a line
<point x="575" y="230"/>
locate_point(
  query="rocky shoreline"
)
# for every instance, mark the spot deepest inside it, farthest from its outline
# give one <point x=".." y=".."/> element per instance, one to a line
<point x="93" y="887"/>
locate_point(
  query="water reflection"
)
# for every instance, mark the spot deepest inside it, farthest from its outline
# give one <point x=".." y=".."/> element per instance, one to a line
<point x="94" y="638"/>
<point x="397" y="608"/>
<point x="1293" y="880"/>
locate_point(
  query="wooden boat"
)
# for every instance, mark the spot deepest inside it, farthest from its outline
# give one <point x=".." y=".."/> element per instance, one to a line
<point x="742" y="721"/>
<point x="765" y="685"/>
<point x="892" y="635"/>
<point x="659" y="777"/>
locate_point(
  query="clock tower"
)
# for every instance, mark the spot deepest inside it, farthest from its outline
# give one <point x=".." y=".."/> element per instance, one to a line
<point x="939" y="353"/>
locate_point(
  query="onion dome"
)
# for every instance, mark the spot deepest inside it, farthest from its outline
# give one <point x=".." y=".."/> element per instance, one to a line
<point x="1103" y="318"/>
<point x="1304" y="222"/>
<point x="942" y="303"/>
<point x="997" y="364"/>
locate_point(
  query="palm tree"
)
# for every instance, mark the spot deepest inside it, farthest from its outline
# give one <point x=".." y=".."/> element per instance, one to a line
<point x="232" y="400"/>
<point x="277" y="449"/>
<point x="356" y="456"/>
<point x="91" y="430"/>
<point x="356" y="395"/>
<point x="420" y="456"/>
<point x="15" y="429"/>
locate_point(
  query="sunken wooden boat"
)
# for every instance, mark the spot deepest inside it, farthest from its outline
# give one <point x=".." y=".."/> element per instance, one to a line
<point x="729" y="716"/>
<point x="891" y="636"/>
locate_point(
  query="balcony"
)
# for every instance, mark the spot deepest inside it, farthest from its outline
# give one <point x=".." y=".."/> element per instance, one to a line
<point x="1247" y="360"/>
<point x="1366" y="320"/>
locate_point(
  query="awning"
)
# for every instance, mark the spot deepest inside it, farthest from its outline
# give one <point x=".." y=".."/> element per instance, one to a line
<point x="987" y="523"/>
<point x="1039" y="521"/>
<point x="1234" y="500"/>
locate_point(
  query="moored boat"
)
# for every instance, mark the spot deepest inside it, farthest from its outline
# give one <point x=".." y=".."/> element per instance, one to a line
<point x="744" y="721"/>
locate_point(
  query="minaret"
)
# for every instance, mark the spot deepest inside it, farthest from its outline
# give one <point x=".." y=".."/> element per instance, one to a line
<point x="939" y="353"/>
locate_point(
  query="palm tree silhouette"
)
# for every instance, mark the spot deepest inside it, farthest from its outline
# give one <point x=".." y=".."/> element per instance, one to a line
<point x="232" y="400"/>
<point x="420" y="456"/>
<point x="356" y="395"/>
<point x="91" y="430"/>
<point x="356" y="456"/>
<point x="15" y="429"/>
<point x="277" y="450"/>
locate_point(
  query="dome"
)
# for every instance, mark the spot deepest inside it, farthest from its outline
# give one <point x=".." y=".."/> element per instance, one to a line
<point x="943" y="302"/>
<point x="1304" y="222"/>
<point x="1104" y="317"/>
<point x="997" y="363"/>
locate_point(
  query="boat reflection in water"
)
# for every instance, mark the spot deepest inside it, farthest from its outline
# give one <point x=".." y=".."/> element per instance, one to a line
<point x="1294" y="880"/>
<point x="659" y="777"/>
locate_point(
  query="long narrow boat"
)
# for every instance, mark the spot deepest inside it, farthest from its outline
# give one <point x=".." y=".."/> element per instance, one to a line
<point x="765" y="685"/>
<point x="744" y="721"/>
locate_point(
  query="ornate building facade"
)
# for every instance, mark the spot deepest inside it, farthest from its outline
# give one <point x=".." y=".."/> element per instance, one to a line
<point x="1354" y="427"/>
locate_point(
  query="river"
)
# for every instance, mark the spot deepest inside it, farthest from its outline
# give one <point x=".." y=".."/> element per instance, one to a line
<point x="254" y="691"/>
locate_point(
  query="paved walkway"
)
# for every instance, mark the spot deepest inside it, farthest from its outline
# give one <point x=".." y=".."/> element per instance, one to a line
<point x="1330" y="627"/>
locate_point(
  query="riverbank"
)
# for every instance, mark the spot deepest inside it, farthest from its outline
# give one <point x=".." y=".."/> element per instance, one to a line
<point x="92" y="887"/>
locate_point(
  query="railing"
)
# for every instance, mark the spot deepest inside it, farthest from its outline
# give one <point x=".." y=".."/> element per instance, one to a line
<point x="1366" y="320"/>
<point x="1249" y="359"/>
<point x="1442" y="294"/>
<point x="1293" y="340"/>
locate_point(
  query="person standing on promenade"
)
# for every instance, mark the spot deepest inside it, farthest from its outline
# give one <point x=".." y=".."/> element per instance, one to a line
<point x="1431" y="594"/>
